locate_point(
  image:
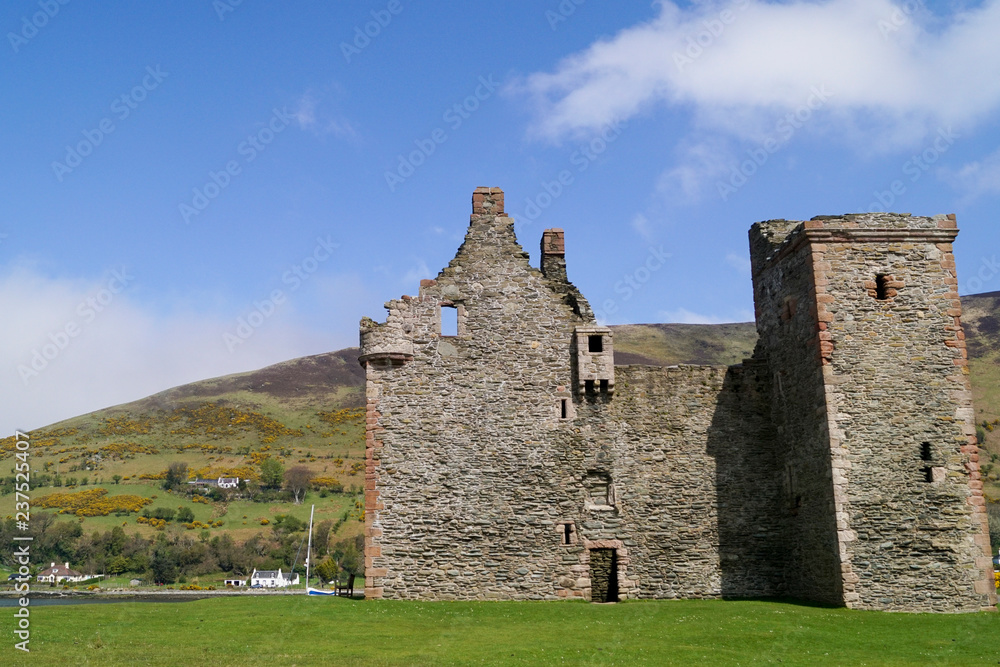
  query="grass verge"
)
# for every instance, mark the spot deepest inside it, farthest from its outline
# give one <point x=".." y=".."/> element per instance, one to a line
<point x="309" y="631"/>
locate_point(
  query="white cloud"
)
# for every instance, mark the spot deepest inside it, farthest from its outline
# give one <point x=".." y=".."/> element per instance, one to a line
<point x="685" y="316"/>
<point x="739" y="261"/>
<point x="978" y="178"/>
<point x="896" y="70"/>
<point x="322" y="122"/>
<point x="700" y="163"/>
<point x="642" y="227"/>
<point x="121" y="351"/>
<point x="417" y="273"/>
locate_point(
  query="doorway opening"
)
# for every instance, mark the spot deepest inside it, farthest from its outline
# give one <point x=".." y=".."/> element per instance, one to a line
<point x="603" y="575"/>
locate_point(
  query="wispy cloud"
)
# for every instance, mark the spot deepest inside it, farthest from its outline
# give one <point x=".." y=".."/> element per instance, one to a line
<point x="76" y="349"/>
<point x="975" y="179"/>
<point x="417" y="273"/>
<point x="642" y="227"/>
<point x="312" y="114"/>
<point x="765" y="57"/>
<point x="739" y="261"/>
<point x="685" y="316"/>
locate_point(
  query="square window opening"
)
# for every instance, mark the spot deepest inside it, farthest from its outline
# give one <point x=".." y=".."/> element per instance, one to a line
<point x="589" y="387"/>
<point x="595" y="344"/>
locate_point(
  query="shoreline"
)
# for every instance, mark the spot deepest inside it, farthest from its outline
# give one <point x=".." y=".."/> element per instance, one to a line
<point x="148" y="594"/>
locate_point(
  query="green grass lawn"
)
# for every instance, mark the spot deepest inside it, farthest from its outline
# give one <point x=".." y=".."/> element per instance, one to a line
<point x="309" y="631"/>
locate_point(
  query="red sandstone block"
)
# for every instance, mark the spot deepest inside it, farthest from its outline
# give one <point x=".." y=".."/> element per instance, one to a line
<point x="975" y="484"/>
<point x="826" y="298"/>
<point x="427" y="282"/>
<point x="378" y="572"/>
<point x="813" y="224"/>
<point x="977" y="500"/>
<point x="948" y="223"/>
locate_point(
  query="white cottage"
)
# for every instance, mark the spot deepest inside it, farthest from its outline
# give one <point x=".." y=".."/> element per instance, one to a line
<point x="55" y="574"/>
<point x="272" y="579"/>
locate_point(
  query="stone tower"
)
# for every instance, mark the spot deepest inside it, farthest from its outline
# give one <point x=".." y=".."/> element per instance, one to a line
<point x="859" y="323"/>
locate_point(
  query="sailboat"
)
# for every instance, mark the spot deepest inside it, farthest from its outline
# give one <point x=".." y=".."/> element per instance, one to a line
<point x="309" y="589"/>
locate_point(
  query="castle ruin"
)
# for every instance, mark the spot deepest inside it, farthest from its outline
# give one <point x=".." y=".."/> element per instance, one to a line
<point x="511" y="459"/>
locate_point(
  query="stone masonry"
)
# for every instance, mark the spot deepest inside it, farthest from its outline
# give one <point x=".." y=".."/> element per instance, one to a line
<point x="514" y="460"/>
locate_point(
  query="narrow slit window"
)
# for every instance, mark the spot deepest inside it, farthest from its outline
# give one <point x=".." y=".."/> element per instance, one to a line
<point x="564" y="409"/>
<point x="925" y="451"/>
<point x="882" y="287"/>
<point x="595" y="343"/>
<point x="567" y="533"/>
<point x="449" y="321"/>
<point x="928" y="474"/>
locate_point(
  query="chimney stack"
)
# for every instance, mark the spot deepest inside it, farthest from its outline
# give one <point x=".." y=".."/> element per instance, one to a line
<point x="488" y="201"/>
<point x="554" y="255"/>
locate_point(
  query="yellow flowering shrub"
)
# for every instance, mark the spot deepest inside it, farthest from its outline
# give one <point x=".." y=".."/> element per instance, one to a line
<point x="92" y="502"/>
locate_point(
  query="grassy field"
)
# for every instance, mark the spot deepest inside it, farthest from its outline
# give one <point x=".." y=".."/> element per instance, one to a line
<point x="308" y="631"/>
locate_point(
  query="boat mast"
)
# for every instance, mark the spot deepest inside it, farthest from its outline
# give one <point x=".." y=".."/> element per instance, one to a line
<point x="309" y="547"/>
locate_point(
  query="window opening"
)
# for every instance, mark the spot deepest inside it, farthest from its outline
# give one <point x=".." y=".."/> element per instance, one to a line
<point x="589" y="387"/>
<point x="449" y="320"/>
<point x="567" y="533"/>
<point x="928" y="474"/>
<point x="604" y="387"/>
<point x="564" y="409"/>
<point x="925" y="451"/>
<point x="595" y="343"/>
<point x="881" y="287"/>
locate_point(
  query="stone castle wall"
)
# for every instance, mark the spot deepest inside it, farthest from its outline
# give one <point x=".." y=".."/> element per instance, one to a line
<point x="500" y="460"/>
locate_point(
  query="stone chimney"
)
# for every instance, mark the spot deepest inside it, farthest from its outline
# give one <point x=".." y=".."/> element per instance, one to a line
<point x="488" y="201"/>
<point x="554" y="255"/>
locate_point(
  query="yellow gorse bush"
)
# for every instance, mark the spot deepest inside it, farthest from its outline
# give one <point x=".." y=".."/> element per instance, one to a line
<point x="92" y="502"/>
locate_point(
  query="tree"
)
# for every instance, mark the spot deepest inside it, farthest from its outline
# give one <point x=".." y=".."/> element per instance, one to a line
<point x="185" y="515"/>
<point x="297" y="479"/>
<point x="272" y="473"/>
<point x="177" y="474"/>
<point x="119" y="565"/>
<point x="117" y="478"/>
<point x="164" y="568"/>
<point x="321" y="536"/>
<point x="326" y="570"/>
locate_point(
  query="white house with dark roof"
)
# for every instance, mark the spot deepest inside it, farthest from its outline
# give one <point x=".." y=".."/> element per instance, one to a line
<point x="272" y="579"/>
<point x="228" y="482"/>
<point x="59" y="573"/>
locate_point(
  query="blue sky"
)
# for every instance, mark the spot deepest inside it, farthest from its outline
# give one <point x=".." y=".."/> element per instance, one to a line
<point x="203" y="187"/>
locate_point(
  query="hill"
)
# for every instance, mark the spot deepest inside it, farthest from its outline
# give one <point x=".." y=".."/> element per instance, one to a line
<point x="309" y="411"/>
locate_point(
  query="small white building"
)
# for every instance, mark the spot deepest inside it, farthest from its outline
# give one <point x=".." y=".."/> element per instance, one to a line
<point x="236" y="583"/>
<point x="271" y="579"/>
<point x="55" y="574"/>
<point x="228" y="482"/>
